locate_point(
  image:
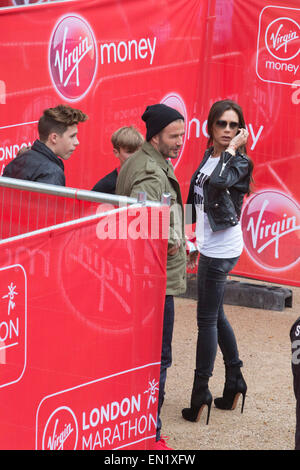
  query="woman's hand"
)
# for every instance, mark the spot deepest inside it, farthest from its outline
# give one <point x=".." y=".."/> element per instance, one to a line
<point x="237" y="141"/>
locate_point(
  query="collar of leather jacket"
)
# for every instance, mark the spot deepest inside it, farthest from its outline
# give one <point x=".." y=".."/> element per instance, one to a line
<point x="40" y="147"/>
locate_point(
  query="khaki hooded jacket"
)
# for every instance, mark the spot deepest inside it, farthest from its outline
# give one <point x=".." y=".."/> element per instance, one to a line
<point x="148" y="171"/>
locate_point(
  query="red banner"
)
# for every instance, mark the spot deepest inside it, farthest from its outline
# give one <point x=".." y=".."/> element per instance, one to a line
<point x="78" y="342"/>
<point x="259" y="67"/>
<point x="185" y="53"/>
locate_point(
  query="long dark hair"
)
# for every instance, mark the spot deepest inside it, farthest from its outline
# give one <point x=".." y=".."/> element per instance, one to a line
<point x="215" y="112"/>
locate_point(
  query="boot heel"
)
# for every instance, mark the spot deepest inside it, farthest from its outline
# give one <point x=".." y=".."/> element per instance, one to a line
<point x="194" y="414"/>
<point x="235" y="386"/>
<point x="208" y="413"/>
<point x="200" y="398"/>
<point x="236" y="398"/>
<point x="243" y="402"/>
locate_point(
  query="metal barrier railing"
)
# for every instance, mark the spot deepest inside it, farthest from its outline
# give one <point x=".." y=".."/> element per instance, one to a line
<point x="72" y="193"/>
<point x="27" y="206"/>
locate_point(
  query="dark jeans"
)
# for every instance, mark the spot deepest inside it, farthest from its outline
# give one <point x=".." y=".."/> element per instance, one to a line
<point x="166" y="355"/>
<point x="213" y="326"/>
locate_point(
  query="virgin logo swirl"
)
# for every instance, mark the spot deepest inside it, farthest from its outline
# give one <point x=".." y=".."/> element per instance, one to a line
<point x="282" y="38"/>
<point x="72" y="57"/>
<point x="61" y="430"/>
<point x="270" y="223"/>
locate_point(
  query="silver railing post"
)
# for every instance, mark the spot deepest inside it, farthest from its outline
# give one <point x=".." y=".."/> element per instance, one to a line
<point x="166" y="199"/>
<point x="142" y="197"/>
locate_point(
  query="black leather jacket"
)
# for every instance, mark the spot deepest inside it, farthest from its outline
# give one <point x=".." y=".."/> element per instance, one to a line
<point x="108" y="183"/>
<point x="37" y="164"/>
<point x="224" y="190"/>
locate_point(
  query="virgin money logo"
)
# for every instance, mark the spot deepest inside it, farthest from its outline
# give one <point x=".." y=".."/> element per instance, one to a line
<point x="175" y="101"/>
<point x="72" y="57"/>
<point x="282" y="38"/>
<point x="270" y="223"/>
<point x="278" y="45"/>
<point x="61" y="430"/>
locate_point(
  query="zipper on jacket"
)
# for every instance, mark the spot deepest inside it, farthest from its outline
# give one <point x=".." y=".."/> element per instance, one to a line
<point x="224" y="164"/>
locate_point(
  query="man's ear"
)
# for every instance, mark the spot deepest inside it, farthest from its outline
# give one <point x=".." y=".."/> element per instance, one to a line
<point x="155" y="139"/>
<point x="52" y="138"/>
<point x="116" y="152"/>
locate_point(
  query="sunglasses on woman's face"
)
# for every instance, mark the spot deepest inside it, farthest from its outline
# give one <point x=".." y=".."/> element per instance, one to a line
<point x="223" y="124"/>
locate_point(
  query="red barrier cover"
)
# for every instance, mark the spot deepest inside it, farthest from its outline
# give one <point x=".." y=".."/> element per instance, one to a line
<point x="185" y="53"/>
<point x="27" y="211"/>
<point x="80" y="336"/>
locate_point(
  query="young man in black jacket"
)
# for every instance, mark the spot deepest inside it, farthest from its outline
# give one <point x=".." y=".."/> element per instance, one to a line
<point x="58" y="129"/>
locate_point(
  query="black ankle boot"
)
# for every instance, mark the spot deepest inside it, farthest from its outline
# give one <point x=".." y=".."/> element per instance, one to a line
<point x="235" y="386"/>
<point x="200" y="398"/>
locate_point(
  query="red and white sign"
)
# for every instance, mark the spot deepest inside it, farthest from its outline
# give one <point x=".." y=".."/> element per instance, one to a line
<point x="60" y="430"/>
<point x="13" y="324"/>
<point x="72" y="57"/>
<point x="271" y="224"/>
<point x="278" y="49"/>
<point x="185" y="53"/>
<point x="86" y="357"/>
<point x="107" y="413"/>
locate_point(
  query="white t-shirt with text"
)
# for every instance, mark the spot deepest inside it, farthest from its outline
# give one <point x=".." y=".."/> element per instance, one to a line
<point x="227" y="243"/>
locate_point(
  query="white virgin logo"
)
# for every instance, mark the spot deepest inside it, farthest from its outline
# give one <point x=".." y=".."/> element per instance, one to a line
<point x="72" y="57"/>
<point x="56" y="441"/>
<point x="276" y="230"/>
<point x="70" y="60"/>
<point x="61" y="427"/>
<point x="278" y="40"/>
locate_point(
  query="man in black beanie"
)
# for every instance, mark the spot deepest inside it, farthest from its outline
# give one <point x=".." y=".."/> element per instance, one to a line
<point x="159" y="116"/>
<point x="149" y="170"/>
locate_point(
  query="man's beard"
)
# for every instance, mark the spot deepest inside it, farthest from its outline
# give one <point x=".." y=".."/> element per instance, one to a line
<point x="165" y="151"/>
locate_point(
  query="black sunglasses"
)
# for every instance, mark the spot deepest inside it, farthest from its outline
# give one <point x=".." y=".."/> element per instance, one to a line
<point x="223" y="124"/>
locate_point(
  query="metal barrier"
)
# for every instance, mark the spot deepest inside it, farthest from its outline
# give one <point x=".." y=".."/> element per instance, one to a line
<point x="80" y="319"/>
<point x="27" y="206"/>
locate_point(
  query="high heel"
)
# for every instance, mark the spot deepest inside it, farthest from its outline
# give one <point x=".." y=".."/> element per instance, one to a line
<point x="194" y="413"/>
<point x="201" y="397"/>
<point x="235" y="386"/>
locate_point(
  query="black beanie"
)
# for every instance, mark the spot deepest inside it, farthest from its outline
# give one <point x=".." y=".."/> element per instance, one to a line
<point x="157" y="117"/>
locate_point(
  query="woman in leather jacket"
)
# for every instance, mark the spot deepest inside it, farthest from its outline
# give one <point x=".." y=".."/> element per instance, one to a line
<point x="214" y="202"/>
